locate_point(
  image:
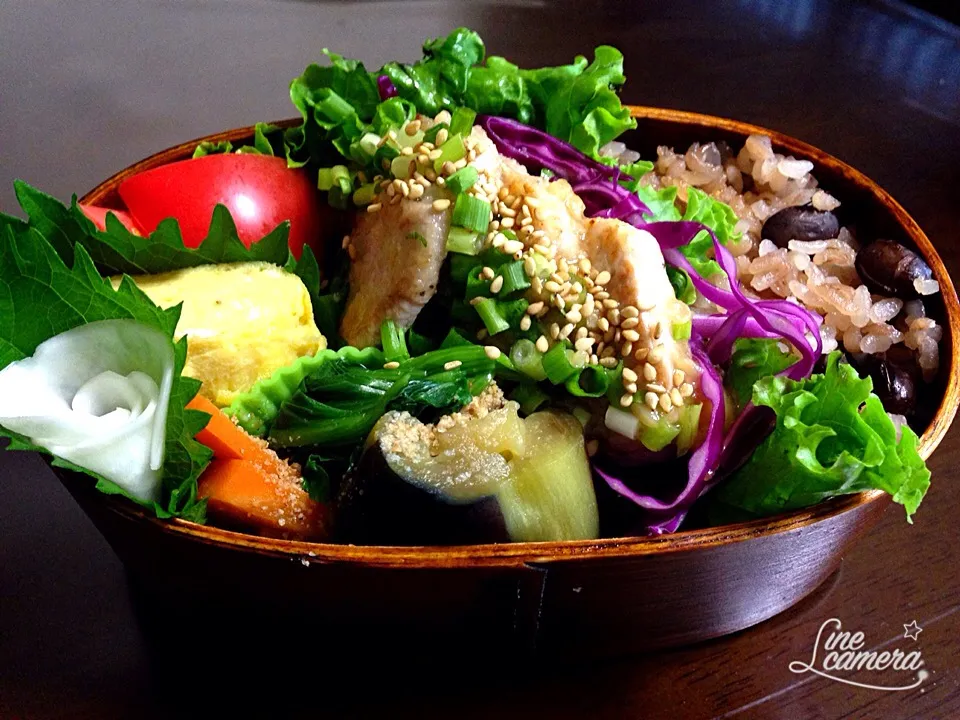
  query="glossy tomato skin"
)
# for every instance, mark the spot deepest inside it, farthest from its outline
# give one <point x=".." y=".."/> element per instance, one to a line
<point x="260" y="191"/>
<point x="99" y="217"/>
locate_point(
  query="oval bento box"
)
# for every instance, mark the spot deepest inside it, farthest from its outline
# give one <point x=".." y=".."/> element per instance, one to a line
<point x="551" y="600"/>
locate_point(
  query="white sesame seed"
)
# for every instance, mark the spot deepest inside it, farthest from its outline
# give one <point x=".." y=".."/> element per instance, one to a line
<point x="442" y="136"/>
<point x="656" y="354"/>
<point x="435" y="154"/>
<point x="491" y="352"/>
<point x="573" y="316"/>
<point x="626" y="349"/>
<point x="631" y="335"/>
<point x="542" y="249"/>
<point x="630" y="322"/>
<point x="608" y="362"/>
<point x="603" y="324"/>
<point x="407" y="151"/>
<point x="543" y="344"/>
<point x="585" y="265"/>
<point x="551" y="286"/>
<point x="566" y="330"/>
<point x="603" y="278"/>
<point x="626" y="400"/>
<point x="507" y="222"/>
<point x="453" y="364"/>
<point x="630" y="388"/>
<point x="656" y="387"/>
<point x="554" y="331"/>
<point x="441" y="205"/>
<point x="649" y="372"/>
<point x="534" y="308"/>
<point x="511" y="246"/>
<point x="609" y="303"/>
<point x="678" y="377"/>
<point x="497" y="284"/>
<point x="666" y="403"/>
<point x="393" y="365"/>
<point x="581" y="333"/>
<point x="676" y="397"/>
<point x="476" y="300"/>
<point x="584" y="344"/>
<point x="629" y="375"/>
<point x="530" y="267"/>
<point x="686" y="390"/>
<point x="641" y="353"/>
<point x="651" y="399"/>
<point x="374" y="207"/>
<point x="613" y="316"/>
<point x="525" y="323"/>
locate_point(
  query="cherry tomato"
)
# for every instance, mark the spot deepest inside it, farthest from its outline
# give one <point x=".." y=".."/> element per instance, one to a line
<point x="99" y="217"/>
<point x="260" y="191"/>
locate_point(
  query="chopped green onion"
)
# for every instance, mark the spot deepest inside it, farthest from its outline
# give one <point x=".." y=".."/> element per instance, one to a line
<point x="582" y="415"/>
<point x="529" y="396"/>
<point x="689" y="426"/>
<point x="431" y="135"/>
<point x="514" y="278"/>
<point x="657" y="436"/>
<point x="394" y="345"/>
<point x="472" y="213"/>
<point x="418" y="237"/>
<point x="385" y="155"/>
<point x="490" y="314"/>
<point x="681" y="331"/>
<point x="338" y="176"/>
<point x="402" y="167"/>
<point x="615" y="391"/>
<point x="464" y="241"/>
<point x="477" y="285"/>
<point x="592" y="381"/>
<point x="451" y="151"/>
<point x="544" y="173"/>
<point x="513" y="311"/>
<point x="557" y="364"/>
<point x="419" y="344"/>
<point x="527" y="359"/>
<point x="365" y="194"/>
<point x="461" y="122"/>
<point x="462" y="179"/>
<point x="369" y="144"/>
<point x="460" y="267"/>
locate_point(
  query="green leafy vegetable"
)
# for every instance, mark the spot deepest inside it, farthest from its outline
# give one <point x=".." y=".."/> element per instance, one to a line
<point x="41" y="297"/>
<point x="753" y="359"/>
<point x="340" y="103"/>
<point x="717" y="216"/>
<point x="662" y="203"/>
<point x="340" y="401"/>
<point x="119" y="251"/>
<point x="832" y="437"/>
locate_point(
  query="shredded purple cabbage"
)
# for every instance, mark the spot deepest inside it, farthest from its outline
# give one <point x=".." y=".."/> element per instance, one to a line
<point x="597" y="184"/>
<point x="386" y="87"/>
<point x="712" y="337"/>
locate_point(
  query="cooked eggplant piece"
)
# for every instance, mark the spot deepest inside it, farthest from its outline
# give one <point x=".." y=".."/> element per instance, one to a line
<point x="480" y="475"/>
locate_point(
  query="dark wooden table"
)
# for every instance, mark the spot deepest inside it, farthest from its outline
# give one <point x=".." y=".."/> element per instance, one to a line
<point x="86" y="91"/>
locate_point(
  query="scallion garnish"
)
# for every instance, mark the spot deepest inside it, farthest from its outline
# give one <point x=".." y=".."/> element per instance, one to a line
<point x="529" y="396"/>
<point x="336" y="176"/>
<point x="471" y="213"/>
<point x="557" y="364"/>
<point x="365" y="194"/>
<point x="462" y="180"/>
<point x="461" y="122"/>
<point x="490" y="314"/>
<point x="462" y="240"/>
<point x="402" y="167"/>
<point x="394" y="345"/>
<point x="514" y="278"/>
<point x="527" y="359"/>
<point x="451" y="151"/>
<point x="431" y="135"/>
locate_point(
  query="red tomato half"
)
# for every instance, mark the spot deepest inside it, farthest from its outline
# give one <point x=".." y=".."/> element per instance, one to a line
<point x="260" y="191"/>
<point x="99" y="217"/>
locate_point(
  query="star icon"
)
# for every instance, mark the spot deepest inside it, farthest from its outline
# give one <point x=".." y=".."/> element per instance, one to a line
<point x="912" y="630"/>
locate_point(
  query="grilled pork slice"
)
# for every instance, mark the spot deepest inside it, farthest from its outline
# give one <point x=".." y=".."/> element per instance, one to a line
<point x="397" y="254"/>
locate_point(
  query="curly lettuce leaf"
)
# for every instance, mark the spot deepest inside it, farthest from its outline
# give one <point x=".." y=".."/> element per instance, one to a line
<point x="832" y="437"/>
<point x="753" y="359"/>
<point x="41" y="297"/>
<point x="717" y="216"/>
<point x="577" y="103"/>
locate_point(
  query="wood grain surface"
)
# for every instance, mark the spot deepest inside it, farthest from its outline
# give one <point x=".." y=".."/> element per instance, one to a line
<point x="87" y="93"/>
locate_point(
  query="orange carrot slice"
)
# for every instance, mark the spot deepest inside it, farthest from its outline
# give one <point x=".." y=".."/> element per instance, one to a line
<point x="223" y="436"/>
<point x="242" y="491"/>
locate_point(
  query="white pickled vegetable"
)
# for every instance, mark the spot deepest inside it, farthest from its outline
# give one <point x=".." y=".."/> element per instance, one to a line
<point x="96" y="396"/>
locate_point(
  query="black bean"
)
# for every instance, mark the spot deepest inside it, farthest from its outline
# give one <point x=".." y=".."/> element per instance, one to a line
<point x="894" y="376"/>
<point x="800" y="222"/>
<point x="888" y="268"/>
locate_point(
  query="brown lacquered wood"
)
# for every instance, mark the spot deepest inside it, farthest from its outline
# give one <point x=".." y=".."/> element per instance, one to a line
<point x="562" y="599"/>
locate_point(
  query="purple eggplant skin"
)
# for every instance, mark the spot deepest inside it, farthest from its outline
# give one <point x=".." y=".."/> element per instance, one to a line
<point x="378" y="507"/>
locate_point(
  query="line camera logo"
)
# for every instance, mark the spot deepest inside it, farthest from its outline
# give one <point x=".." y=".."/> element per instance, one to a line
<point x="843" y="653"/>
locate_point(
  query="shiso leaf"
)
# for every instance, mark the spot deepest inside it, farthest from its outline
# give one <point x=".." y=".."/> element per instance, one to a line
<point x="41" y="297"/>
